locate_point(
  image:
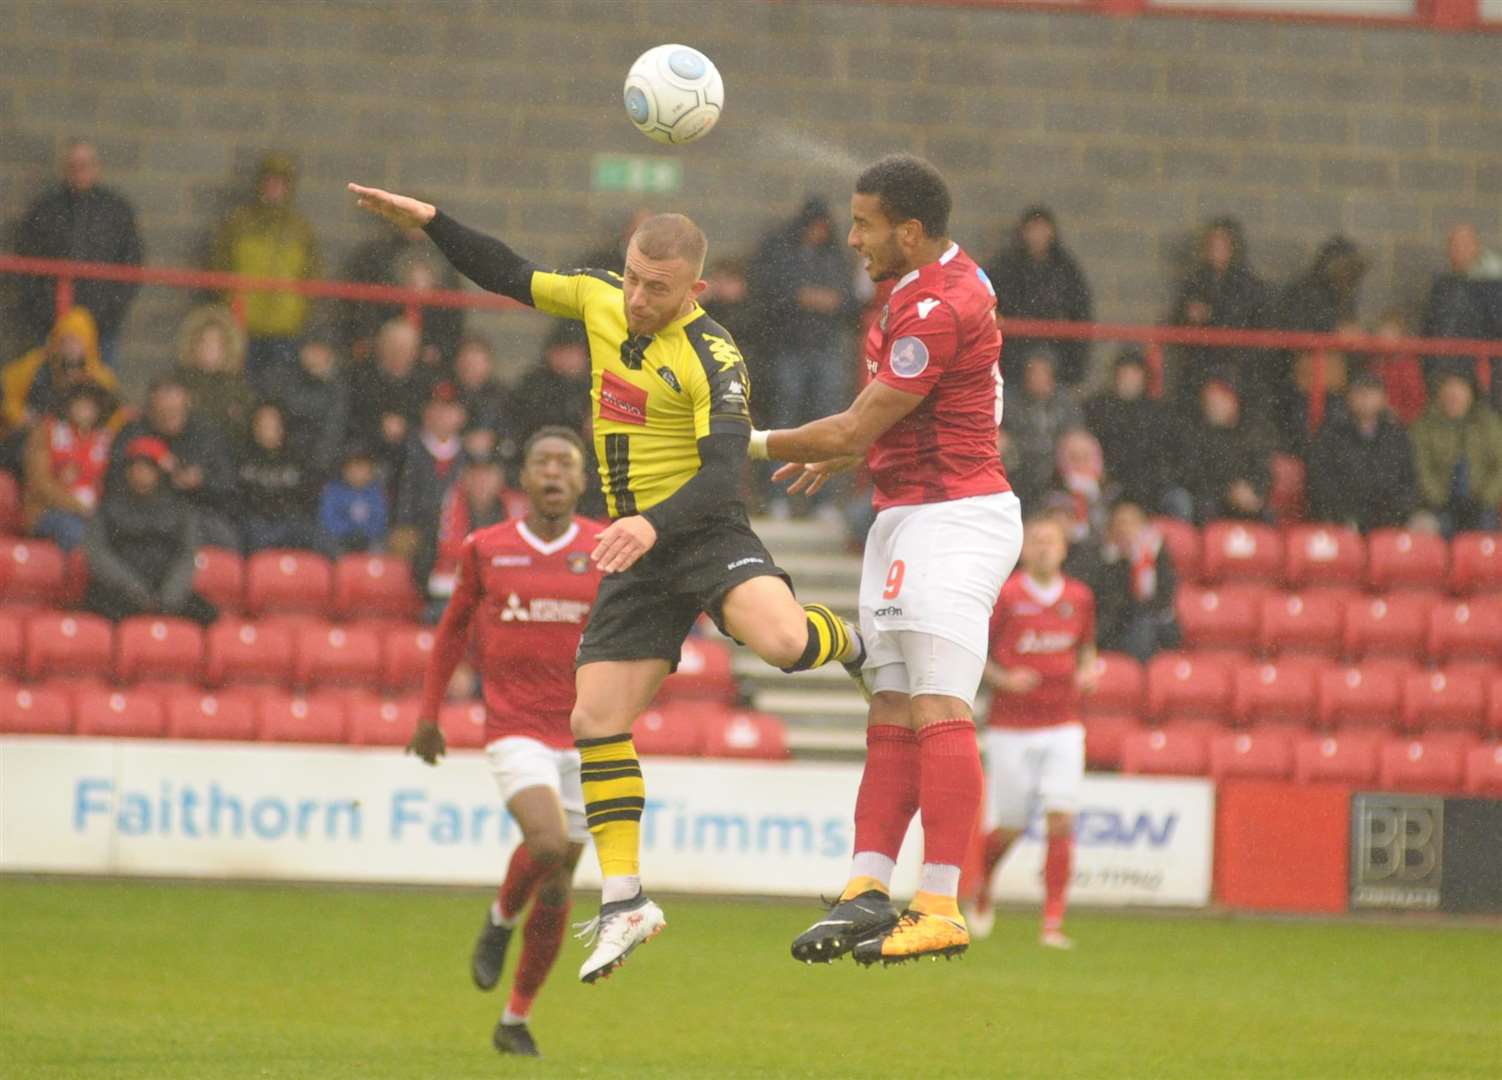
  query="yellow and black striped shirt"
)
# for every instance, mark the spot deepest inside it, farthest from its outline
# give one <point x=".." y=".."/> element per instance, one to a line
<point x="654" y="397"/>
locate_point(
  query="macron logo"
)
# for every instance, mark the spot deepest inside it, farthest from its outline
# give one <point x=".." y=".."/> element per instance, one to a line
<point x="925" y="306"/>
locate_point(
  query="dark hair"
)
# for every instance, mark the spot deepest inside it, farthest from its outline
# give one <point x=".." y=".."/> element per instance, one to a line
<point x="553" y="431"/>
<point x="909" y="189"/>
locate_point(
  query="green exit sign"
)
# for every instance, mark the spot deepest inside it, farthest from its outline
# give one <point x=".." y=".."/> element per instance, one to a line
<point x="637" y="173"/>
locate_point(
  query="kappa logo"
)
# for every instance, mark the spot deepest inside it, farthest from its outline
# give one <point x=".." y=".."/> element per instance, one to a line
<point x="882" y="322"/>
<point x="925" y="306"/>
<point x="748" y="561"/>
<point x="724" y="352"/>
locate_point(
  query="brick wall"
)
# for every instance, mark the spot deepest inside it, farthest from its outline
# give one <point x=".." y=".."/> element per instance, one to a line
<point x="1134" y="129"/>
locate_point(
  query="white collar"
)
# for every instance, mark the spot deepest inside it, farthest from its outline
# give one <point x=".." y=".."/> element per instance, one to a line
<point x="1048" y="595"/>
<point x="912" y="275"/>
<point x="550" y="547"/>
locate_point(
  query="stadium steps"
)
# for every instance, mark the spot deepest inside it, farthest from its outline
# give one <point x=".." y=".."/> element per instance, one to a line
<point x="824" y="714"/>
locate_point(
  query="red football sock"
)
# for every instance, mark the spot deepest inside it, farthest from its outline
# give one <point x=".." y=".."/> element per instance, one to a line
<point x="950" y="789"/>
<point x="542" y="937"/>
<point x="888" y="795"/>
<point x="522" y="876"/>
<point x="1058" y="864"/>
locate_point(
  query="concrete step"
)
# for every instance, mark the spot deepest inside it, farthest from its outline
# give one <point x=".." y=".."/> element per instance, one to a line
<point x="792" y="536"/>
<point x="811" y="707"/>
<point x="822" y="571"/>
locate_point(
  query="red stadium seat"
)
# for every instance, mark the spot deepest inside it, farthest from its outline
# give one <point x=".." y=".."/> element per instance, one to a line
<point x="743" y="734"/>
<point x="1438" y="701"/>
<point x="75" y="579"/>
<point x="1476" y="563"/>
<point x="12" y="640"/>
<point x="673" y="729"/>
<point x="1393" y="625"/>
<point x="1323" y="555"/>
<point x="35" y="710"/>
<point x="1164" y="752"/>
<point x="64" y="643"/>
<point x="1483" y="770"/>
<point x="283" y="580"/>
<point x="1184" y="686"/>
<point x="316" y="719"/>
<point x="1183" y="541"/>
<point x="238" y="653"/>
<point x="404" y="656"/>
<point x="1281" y="693"/>
<point x="219" y="577"/>
<point x="377" y="721"/>
<point x="1241" y="551"/>
<point x="374" y="586"/>
<point x="1265" y="755"/>
<point x="1466" y="630"/>
<point x="31" y="571"/>
<point x="131" y="713"/>
<point x="1223" y="617"/>
<point x="1104" y="734"/>
<point x="1307" y="623"/>
<point x="337" y="656"/>
<point x="703" y="673"/>
<point x="1367" y="695"/>
<point x="10" y="505"/>
<point x="1399" y="559"/>
<point x="1118" y="689"/>
<point x="463" y="724"/>
<point x="148" y="647"/>
<point x="1347" y="758"/>
<point x="228" y="716"/>
<point x="1494" y="706"/>
<point x="1421" y="765"/>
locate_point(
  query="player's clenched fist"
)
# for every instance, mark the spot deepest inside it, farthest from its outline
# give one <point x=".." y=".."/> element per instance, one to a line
<point x="427" y="742"/>
<point x="627" y="540"/>
<point x="401" y="210"/>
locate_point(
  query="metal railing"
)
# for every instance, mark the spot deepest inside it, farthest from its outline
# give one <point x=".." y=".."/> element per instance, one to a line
<point x="1153" y="339"/>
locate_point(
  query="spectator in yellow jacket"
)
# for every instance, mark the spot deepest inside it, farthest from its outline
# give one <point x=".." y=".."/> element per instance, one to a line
<point x="269" y="238"/>
<point x="33" y="385"/>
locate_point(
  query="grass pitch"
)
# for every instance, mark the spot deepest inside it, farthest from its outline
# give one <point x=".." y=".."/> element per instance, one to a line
<point x="159" y="981"/>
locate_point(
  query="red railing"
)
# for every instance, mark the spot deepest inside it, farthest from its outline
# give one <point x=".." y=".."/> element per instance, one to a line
<point x="1152" y="338"/>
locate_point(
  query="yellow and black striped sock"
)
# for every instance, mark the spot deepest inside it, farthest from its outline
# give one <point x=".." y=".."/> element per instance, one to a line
<point x="614" y="797"/>
<point x="829" y="638"/>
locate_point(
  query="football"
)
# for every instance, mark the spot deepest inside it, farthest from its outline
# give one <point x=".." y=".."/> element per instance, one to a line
<point x="674" y="94"/>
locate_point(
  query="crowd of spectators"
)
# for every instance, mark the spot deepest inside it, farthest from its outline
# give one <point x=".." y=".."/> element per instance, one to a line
<point x="356" y="429"/>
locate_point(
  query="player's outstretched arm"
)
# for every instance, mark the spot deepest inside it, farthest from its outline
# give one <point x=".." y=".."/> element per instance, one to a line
<point x="486" y="261"/>
<point x="846" y="434"/>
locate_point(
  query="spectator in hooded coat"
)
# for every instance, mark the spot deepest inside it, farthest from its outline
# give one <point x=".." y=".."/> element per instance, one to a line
<point x="1140" y="437"/>
<point x="1361" y="468"/>
<point x="1036" y="277"/>
<point x="1227" y="467"/>
<point x="1221" y="292"/>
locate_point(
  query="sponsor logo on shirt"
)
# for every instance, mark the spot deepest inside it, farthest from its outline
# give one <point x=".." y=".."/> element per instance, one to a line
<point x="909" y="357"/>
<point x="892" y="609"/>
<point x="511" y="560"/>
<point x="1044" y="641"/>
<point x="668" y="377"/>
<point x="544" y="610"/>
<point x="621" y="401"/>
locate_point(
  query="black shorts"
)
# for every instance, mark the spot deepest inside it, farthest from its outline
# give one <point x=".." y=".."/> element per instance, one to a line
<point x="644" y="613"/>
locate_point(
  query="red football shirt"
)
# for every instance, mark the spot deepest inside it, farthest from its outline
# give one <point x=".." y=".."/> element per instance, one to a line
<point x="937" y="337"/>
<point x="1042" y="629"/>
<point x="528" y="602"/>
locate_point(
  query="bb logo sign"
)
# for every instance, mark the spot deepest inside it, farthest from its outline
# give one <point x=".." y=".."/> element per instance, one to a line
<point x="1397" y="854"/>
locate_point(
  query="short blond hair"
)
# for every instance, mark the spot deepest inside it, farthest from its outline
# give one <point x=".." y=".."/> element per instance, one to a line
<point x="672" y="236"/>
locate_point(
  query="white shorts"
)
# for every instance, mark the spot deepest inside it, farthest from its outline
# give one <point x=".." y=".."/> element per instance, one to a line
<point x="934" y="570"/>
<point x="1027" y="768"/>
<point x="518" y="763"/>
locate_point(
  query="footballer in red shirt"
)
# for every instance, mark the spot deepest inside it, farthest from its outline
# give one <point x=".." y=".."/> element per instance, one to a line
<point x="1042" y="660"/>
<point x="946" y="535"/>
<point x="524" y="591"/>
